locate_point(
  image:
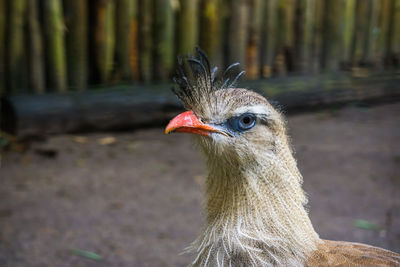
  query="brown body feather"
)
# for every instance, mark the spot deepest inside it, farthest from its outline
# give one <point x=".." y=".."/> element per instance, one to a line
<point x="339" y="253"/>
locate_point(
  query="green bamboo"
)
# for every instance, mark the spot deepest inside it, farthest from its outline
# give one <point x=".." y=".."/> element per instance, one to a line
<point x="16" y="54"/>
<point x="134" y="40"/>
<point x="237" y="31"/>
<point x="332" y="35"/>
<point x="35" y="49"/>
<point x="396" y="32"/>
<point x="55" y="44"/>
<point x="146" y="40"/>
<point x="300" y="35"/>
<point x="361" y="24"/>
<point x="285" y="35"/>
<point x="390" y="33"/>
<point x="76" y="19"/>
<point x="316" y="47"/>
<point x="3" y="19"/>
<point x="268" y="42"/>
<point x="211" y="21"/>
<point x="187" y="26"/>
<point x="164" y="59"/>
<point x="309" y="17"/>
<point x="104" y="39"/>
<point x="349" y="20"/>
<point x="253" y="44"/>
<point x="383" y="22"/>
<point x="122" y="39"/>
<point x="370" y="32"/>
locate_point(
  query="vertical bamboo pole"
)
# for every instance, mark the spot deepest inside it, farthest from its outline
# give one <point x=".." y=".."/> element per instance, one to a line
<point x="268" y="49"/>
<point x="300" y="35"/>
<point x="123" y="19"/>
<point x="187" y="26"/>
<point x="104" y="39"/>
<point x="285" y="36"/>
<point x="211" y="21"/>
<point x="237" y="31"/>
<point x="309" y="19"/>
<point x="55" y="48"/>
<point x="331" y="36"/>
<point x="316" y="46"/>
<point x="370" y="33"/>
<point x="146" y="40"/>
<point x="134" y="40"/>
<point x="389" y="36"/>
<point x="349" y="19"/>
<point x="396" y="33"/>
<point x="384" y="16"/>
<point x="35" y="49"/>
<point x="253" y="44"/>
<point x="3" y="19"/>
<point x="361" y="24"/>
<point x="16" y="54"/>
<point x="76" y="19"/>
<point x="164" y="39"/>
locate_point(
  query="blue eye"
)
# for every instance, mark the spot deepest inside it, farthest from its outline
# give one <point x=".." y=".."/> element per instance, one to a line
<point x="243" y="122"/>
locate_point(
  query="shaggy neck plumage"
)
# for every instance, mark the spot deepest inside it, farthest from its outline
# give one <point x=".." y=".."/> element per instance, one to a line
<point x="255" y="213"/>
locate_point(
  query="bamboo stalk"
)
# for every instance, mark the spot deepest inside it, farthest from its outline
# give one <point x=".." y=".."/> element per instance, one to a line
<point x="122" y="39"/>
<point x="359" y="32"/>
<point x="349" y="19"/>
<point x="268" y="37"/>
<point x="104" y="39"/>
<point x="76" y="18"/>
<point x="211" y="21"/>
<point x="237" y="31"/>
<point x="316" y="46"/>
<point x="187" y="26"/>
<point x="164" y="59"/>
<point x="300" y="35"/>
<point x="390" y="33"/>
<point x="384" y="16"/>
<point x="309" y="17"/>
<point x="370" y="33"/>
<point x="332" y="33"/>
<point x="134" y="40"/>
<point x="35" y="49"/>
<point x="396" y="33"/>
<point x="285" y="45"/>
<point x="16" y="54"/>
<point x="55" y="48"/>
<point x="3" y="19"/>
<point x="146" y="40"/>
<point x="253" y="43"/>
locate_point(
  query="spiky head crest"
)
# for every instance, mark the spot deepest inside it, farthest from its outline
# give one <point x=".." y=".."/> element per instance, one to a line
<point x="197" y="81"/>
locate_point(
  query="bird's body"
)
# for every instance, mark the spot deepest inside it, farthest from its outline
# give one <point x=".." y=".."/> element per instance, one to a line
<point x="255" y="204"/>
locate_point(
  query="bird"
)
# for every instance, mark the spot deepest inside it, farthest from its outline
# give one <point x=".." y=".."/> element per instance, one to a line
<point x="255" y="207"/>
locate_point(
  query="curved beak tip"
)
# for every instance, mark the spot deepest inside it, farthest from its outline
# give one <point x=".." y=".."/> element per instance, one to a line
<point x="188" y="122"/>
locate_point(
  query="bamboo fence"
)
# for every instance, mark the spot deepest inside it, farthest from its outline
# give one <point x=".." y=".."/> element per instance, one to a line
<point x="63" y="45"/>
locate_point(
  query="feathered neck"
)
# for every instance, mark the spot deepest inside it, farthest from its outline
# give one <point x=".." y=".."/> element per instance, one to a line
<point x="255" y="213"/>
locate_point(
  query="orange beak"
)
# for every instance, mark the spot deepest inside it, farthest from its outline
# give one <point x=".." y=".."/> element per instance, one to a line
<point x="187" y="122"/>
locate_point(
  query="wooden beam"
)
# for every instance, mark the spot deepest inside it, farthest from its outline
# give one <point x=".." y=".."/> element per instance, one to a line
<point x="127" y="107"/>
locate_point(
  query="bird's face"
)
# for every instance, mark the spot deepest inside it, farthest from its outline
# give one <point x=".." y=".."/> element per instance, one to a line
<point x="234" y="124"/>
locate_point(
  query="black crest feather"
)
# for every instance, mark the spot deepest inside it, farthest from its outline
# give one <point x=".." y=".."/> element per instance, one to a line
<point x="197" y="81"/>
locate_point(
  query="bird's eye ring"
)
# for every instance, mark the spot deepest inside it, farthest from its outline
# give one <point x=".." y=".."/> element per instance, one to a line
<point x="243" y="122"/>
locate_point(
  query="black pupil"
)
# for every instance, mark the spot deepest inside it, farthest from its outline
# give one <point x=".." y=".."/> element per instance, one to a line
<point x="246" y="120"/>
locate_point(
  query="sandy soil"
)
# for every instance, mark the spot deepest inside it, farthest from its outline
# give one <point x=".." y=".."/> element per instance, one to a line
<point x="138" y="201"/>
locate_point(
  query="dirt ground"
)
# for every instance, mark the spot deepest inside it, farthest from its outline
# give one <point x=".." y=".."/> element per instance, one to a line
<point x="136" y="200"/>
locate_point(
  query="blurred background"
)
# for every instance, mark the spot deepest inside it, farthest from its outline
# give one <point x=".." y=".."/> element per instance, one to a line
<point x="88" y="177"/>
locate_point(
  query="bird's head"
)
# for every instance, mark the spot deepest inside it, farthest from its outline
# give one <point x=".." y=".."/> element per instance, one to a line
<point x="233" y="124"/>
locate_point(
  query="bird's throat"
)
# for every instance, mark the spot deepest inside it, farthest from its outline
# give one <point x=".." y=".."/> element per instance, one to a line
<point x="257" y="214"/>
